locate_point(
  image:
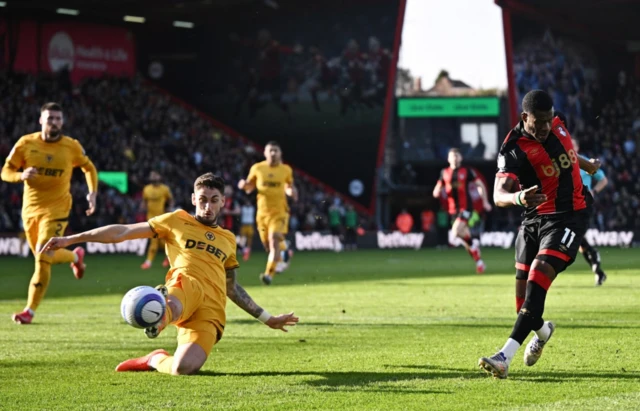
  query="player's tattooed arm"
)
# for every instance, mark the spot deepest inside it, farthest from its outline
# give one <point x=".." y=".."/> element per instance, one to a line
<point x="239" y="296"/>
<point x="504" y="197"/>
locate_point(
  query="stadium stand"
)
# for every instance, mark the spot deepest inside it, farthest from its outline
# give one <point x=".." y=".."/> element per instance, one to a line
<point x="607" y="125"/>
<point x="130" y="125"/>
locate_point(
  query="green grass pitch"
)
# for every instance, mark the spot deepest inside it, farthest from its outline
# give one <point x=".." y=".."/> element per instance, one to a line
<point x="379" y="330"/>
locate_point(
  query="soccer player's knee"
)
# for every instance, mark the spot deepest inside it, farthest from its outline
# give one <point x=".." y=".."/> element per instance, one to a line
<point x="551" y="266"/>
<point x="185" y="368"/>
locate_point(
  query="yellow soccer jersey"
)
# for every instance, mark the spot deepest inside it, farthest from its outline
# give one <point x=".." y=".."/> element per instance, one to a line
<point x="48" y="191"/>
<point x="199" y="251"/>
<point x="270" y="183"/>
<point x="156" y="198"/>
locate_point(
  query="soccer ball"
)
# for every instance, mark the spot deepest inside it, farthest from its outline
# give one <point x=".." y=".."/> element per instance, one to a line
<point x="143" y="307"/>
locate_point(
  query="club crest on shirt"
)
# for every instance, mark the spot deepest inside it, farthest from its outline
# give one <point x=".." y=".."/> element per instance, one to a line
<point x="49" y="158"/>
<point x="209" y="236"/>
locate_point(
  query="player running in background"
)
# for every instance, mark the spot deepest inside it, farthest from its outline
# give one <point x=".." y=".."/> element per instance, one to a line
<point x="539" y="154"/>
<point x="455" y="180"/>
<point x="274" y="182"/>
<point x="591" y="254"/>
<point x="155" y="197"/>
<point x="247" y="221"/>
<point x="202" y="276"/>
<point x="47" y="159"/>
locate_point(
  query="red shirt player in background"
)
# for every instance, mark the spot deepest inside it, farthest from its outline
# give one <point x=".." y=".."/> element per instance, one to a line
<point x="456" y="180"/>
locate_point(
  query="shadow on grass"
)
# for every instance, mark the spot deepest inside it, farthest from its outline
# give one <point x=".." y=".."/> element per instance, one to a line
<point x="536" y="376"/>
<point x="331" y="381"/>
<point x="445" y="324"/>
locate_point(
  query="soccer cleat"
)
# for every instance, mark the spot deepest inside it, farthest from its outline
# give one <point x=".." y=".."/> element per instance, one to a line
<point x="78" y="268"/>
<point x="534" y="349"/>
<point x="165" y="263"/>
<point x="153" y="332"/>
<point x="24" y="317"/>
<point x="146" y="265"/>
<point x="266" y="279"/>
<point x="600" y="279"/>
<point x="480" y="267"/>
<point x="246" y="253"/>
<point x="139" y="364"/>
<point x="495" y="365"/>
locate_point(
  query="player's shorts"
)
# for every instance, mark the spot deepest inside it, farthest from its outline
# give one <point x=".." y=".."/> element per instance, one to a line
<point x="40" y="229"/>
<point x="246" y="231"/>
<point x="272" y="223"/>
<point x="200" y="321"/>
<point x="336" y="230"/>
<point x="463" y="216"/>
<point x="554" y="239"/>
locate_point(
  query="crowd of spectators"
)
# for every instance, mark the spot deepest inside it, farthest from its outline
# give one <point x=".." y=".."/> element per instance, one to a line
<point x="128" y="125"/>
<point x="606" y="124"/>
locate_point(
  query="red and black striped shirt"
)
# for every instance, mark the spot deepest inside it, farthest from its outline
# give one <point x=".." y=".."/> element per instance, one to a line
<point x="456" y="184"/>
<point x="552" y="166"/>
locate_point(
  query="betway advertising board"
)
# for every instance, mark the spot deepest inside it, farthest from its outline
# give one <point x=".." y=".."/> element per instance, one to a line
<point x="11" y="245"/>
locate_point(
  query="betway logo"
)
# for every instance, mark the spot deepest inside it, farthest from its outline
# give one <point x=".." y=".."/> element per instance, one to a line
<point x="137" y="246"/>
<point x="13" y="246"/>
<point x="609" y="238"/>
<point x="400" y="240"/>
<point x="317" y="241"/>
<point x="502" y="239"/>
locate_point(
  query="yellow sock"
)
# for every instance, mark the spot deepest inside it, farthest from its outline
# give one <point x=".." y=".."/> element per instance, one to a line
<point x="63" y="256"/>
<point x="39" y="283"/>
<point x="153" y="249"/>
<point x="283" y="246"/>
<point x="164" y="364"/>
<point x="271" y="268"/>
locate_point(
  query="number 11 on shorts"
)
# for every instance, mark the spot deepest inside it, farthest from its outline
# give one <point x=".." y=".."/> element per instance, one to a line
<point x="568" y="234"/>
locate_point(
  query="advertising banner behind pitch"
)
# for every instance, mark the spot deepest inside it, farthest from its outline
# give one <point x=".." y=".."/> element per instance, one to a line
<point x="86" y="50"/>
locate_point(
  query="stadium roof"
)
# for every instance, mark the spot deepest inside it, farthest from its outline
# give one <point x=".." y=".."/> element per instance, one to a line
<point x="607" y="19"/>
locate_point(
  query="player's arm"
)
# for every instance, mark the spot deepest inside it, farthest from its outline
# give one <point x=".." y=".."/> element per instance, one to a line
<point x="249" y="184"/>
<point x="10" y="171"/>
<point x="115" y="233"/>
<point x="482" y="190"/>
<point x="504" y="197"/>
<point x="591" y="166"/>
<point x="91" y="175"/>
<point x="10" y="174"/>
<point x="602" y="181"/>
<point x="437" y="190"/>
<point x="290" y="188"/>
<point x="239" y="296"/>
<point x="292" y="191"/>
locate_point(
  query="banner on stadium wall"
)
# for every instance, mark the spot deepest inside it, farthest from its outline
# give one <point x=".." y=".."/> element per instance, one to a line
<point x="86" y="50"/>
<point x="14" y="246"/>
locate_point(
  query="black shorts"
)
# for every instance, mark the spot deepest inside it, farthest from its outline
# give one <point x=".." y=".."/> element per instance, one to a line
<point x="554" y="239"/>
<point x="463" y="215"/>
<point x="335" y="230"/>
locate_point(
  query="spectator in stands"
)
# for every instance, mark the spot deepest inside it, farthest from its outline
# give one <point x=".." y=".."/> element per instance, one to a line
<point x="404" y="221"/>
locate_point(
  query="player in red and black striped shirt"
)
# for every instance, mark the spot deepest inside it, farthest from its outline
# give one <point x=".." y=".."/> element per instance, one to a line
<point x="539" y="154"/>
<point x="455" y="180"/>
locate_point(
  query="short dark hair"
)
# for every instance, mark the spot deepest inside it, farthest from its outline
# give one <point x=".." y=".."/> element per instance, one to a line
<point x="209" y="180"/>
<point x="51" y="106"/>
<point x="272" y="143"/>
<point x="537" y="100"/>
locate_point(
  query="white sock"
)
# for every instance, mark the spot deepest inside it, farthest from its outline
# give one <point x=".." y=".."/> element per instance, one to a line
<point x="75" y="258"/>
<point x="30" y="311"/>
<point x="479" y="262"/>
<point x="147" y="262"/>
<point x="510" y="348"/>
<point x="543" y="333"/>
